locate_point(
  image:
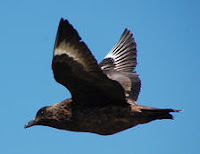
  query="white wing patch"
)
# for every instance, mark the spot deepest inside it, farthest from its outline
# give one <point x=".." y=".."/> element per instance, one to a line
<point x="66" y="48"/>
<point x="69" y="50"/>
<point x="123" y="53"/>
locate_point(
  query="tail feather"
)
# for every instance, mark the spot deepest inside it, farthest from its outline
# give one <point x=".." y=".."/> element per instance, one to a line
<point x="145" y="114"/>
<point x="156" y="113"/>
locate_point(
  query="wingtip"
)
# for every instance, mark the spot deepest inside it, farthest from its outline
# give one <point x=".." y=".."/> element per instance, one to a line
<point x="63" y="21"/>
<point x="127" y="32"/>
<point x="66" y="32"/>
<point x="126" y="29"/>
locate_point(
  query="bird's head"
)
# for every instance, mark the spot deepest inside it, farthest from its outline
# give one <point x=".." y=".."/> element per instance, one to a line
<point x="51" y="116"/>
<point x="44" y="116"/>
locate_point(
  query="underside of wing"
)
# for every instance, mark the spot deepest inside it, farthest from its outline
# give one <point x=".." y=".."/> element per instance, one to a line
<point x="122" y="56"/>
<point x="119" y="65"/>
<point x="129" y="81"/>
<point x="75" y="67"/>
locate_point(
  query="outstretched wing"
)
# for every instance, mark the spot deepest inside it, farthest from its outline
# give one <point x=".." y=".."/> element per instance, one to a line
<point x="119" y="65"/>
<point x="122" y="56"/>
<point x="75" y="68"/>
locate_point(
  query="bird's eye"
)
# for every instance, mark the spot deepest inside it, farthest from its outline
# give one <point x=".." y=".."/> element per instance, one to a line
<point x="41" y="111"/>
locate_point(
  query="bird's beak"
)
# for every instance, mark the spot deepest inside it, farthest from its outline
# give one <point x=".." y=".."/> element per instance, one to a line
<point x="30" y="123"/>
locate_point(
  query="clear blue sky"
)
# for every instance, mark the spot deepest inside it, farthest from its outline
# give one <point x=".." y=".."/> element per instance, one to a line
<point x="167" y="34"/>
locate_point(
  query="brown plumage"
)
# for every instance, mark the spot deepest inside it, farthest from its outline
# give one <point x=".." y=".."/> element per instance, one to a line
<point x="103" y="96"/>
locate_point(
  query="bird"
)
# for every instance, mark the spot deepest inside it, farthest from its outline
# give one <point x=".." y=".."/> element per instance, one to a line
<point x="104" y="95"/>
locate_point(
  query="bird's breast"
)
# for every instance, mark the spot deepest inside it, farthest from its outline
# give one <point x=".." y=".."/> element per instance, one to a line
<point x="101" y="120"/>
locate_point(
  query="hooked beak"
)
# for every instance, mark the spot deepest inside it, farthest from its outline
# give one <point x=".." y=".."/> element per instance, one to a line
<point x="30" y="123"/>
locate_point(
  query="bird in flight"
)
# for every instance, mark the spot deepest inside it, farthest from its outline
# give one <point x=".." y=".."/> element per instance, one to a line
<point x="104" y="95"/>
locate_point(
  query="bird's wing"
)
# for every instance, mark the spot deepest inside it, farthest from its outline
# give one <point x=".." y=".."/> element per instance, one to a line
<point x="74" y="67"/>
<point x="119" y="65"/>
<point x="122" y="56"/>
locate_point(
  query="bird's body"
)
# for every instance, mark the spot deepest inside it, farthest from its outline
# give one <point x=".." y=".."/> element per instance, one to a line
<point x="103" y="120"/>
<point x="103" y="96"/>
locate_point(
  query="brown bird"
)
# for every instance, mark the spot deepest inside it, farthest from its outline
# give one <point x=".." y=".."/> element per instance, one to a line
<point x="103" y="96"/>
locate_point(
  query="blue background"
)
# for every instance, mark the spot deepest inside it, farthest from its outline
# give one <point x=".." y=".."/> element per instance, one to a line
<point x="167" y="35"/>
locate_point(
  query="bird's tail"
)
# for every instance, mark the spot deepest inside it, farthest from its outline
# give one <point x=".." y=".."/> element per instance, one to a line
<point x="156" y="113"/>
<point x="151" y="113"/>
